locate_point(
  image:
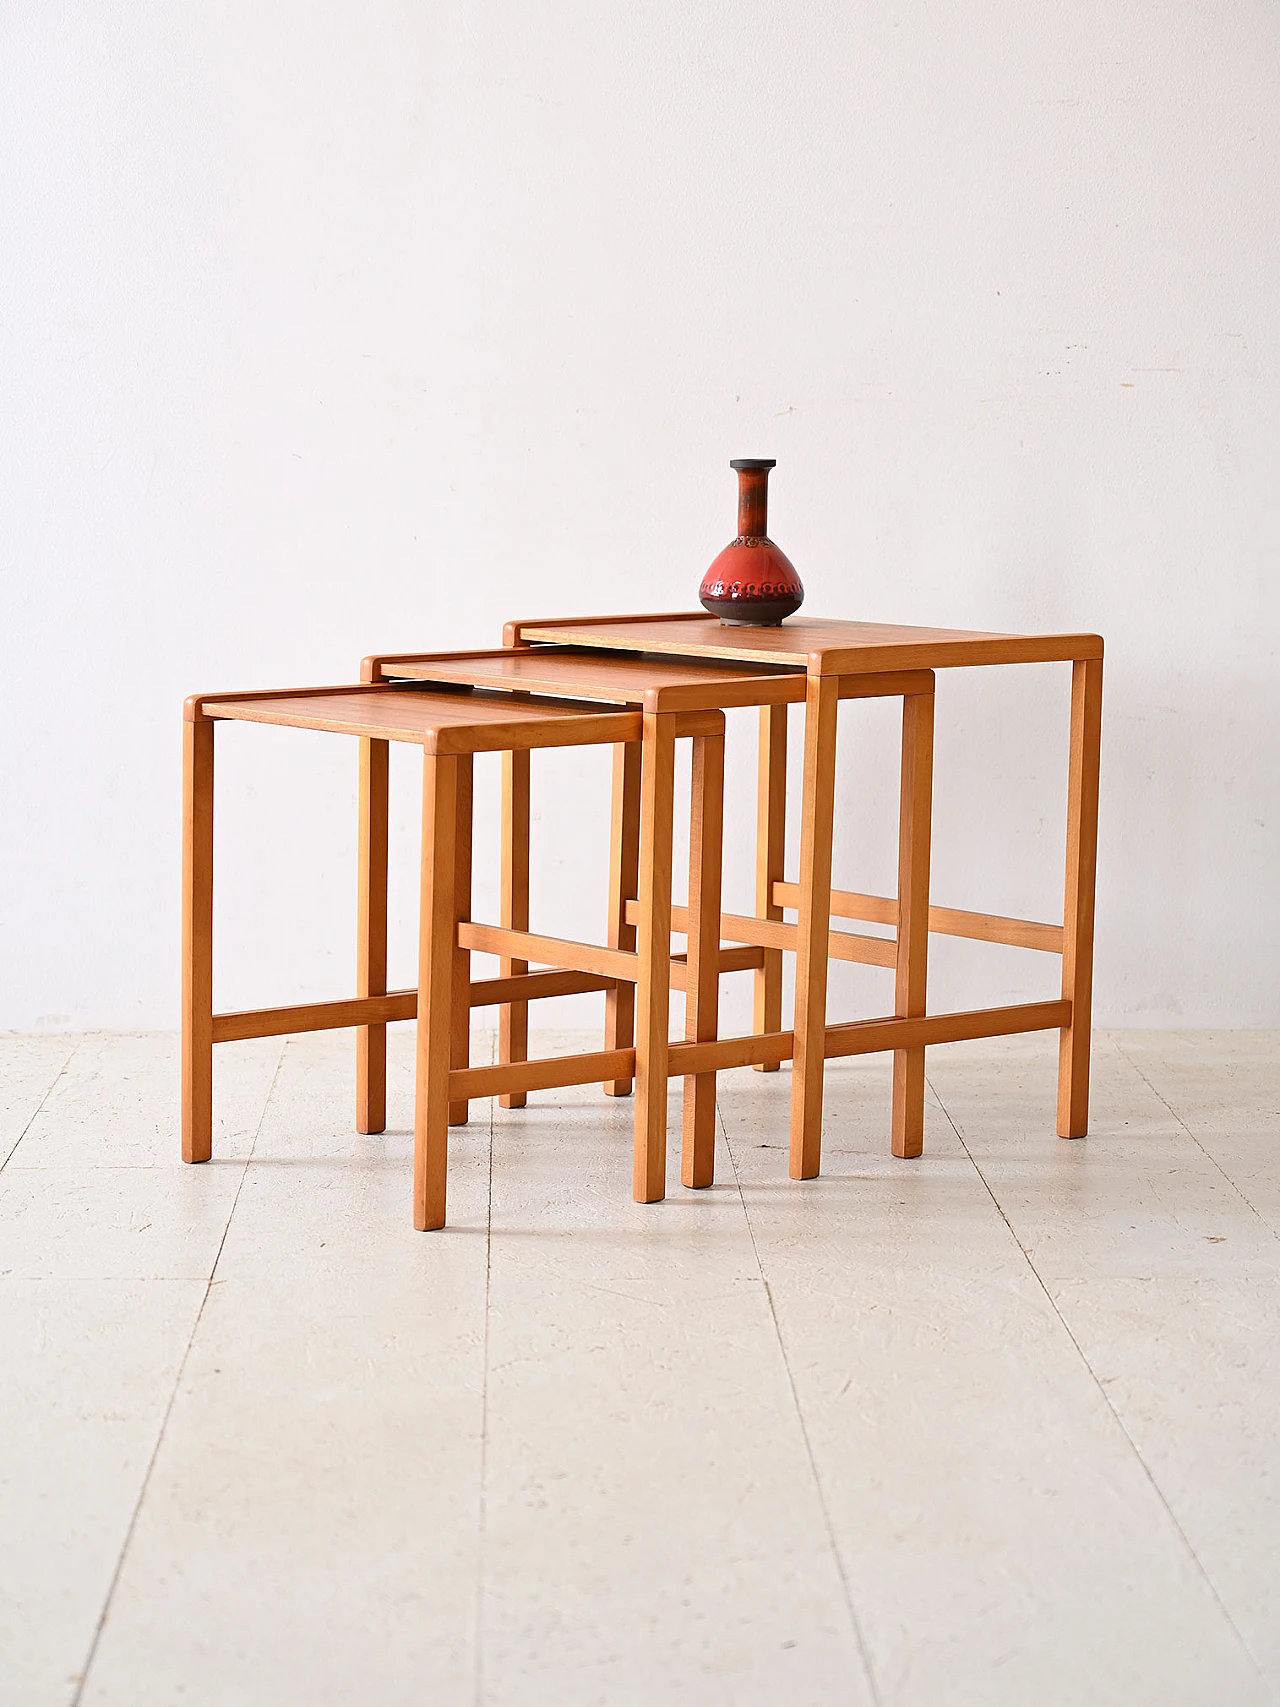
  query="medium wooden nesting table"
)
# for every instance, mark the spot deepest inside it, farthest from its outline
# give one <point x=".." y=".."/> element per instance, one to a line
<point x="833" y="654"/>
<point x="642" y="916"/>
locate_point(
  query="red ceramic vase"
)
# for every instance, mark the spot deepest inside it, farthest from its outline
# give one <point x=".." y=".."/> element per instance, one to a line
<point x="752" y="582"/>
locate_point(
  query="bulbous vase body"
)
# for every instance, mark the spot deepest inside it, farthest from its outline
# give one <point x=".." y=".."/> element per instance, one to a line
<point x="752" y="582"/>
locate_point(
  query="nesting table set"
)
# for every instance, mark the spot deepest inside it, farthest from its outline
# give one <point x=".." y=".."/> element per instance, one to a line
<point x="643" y="685"/>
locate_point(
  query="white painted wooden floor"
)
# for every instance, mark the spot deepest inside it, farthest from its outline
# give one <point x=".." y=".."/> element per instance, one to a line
<point x="996" y="1426"/>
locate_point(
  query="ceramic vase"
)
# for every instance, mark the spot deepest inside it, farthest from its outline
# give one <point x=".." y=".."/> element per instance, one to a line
<point x="752" y="583"/>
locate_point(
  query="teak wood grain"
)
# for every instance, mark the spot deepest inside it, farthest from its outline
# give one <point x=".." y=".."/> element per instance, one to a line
<point x="857" y="1037"/>
<point x="914" y="827"/>
<point x="771" y="858"/>
<point x="442" y="722"/>
<point x="301" y="1017"/>
<point x="731" y="960"/>
<point x="534" y="986"/>
<point x="820" y="646"/>
<point x="460" y="1036"/>
<point x="772" y="934"/>
<point x="513" y="903"/>
<point x="653" y="947"/>
<point x="517" y="633"/>
<point x="373" y="827"/>
<point x="812" y="929"/>
<point x="520" y="1077"/>
<point x="624" y="882"/>
<point x="656" y="683"/>
<point x="943" y="921"/>
<point x="197" y="942"/>
<point x="872" y="1036"/>
<point x="358" y="1011"/>
<point x="394" y="1005"/>
<point x="371" y="931"/>
<point x="702" y="974"/>
<point x="549" y="950"/>
<point x="1077" y="929"/>
<point x="437" y="938"/>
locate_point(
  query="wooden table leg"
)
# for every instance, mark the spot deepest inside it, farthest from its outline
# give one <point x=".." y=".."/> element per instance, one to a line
<point x="513" y="1017"/>
<point x="1082" y="865"/>
<point x="653" y="986"/>
<point x="460" y="1045"/>
<point x="624" y="882"/>
<point x="914" y="833"/>
<point x="702" y="984"/>
<point x="437" y="941"/>
<point x="197" y="940"/>
<point x="513" y="904"/>
<point x="371" y="934"/>
<point x="771" y="855"/>
<point x="814" y="921"/>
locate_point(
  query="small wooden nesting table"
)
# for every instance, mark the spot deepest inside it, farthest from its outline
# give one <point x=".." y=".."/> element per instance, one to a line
<point x="450" y="726"/>
<point x="832" y="653"/>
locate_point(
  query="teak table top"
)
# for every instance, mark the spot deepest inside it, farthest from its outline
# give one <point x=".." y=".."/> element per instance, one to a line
<point x="656" y="682"/>
<point x="445" y="722"/>
<point x="820" y="646"/>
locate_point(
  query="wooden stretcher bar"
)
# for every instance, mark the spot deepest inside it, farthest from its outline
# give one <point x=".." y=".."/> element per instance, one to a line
<point x="396" y="1005"/>
<point x="943" y="921"/>
<point x="860" y="1037"/>
<point x="485" y="992"/>
<point x="772" y="933"/>
<point x="871" y="1036"/>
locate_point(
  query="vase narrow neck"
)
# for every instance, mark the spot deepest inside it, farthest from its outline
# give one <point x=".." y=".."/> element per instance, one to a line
<point x="753" y="503"/>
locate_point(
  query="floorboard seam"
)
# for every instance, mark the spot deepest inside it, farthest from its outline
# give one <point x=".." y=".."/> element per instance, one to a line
<point x="54" y="1083"/>
<point x="854" y="1620"/>
<point x="1173" y="1113"/>
<point x="173" y="1396"/>
<point x="482" y="1513"/>
<point x="1106" y="1399"/>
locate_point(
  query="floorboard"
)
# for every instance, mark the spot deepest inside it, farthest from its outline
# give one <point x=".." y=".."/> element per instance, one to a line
<point x="992" y="1426"/>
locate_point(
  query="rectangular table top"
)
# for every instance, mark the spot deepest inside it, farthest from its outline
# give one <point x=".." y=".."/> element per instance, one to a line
<point x="444" y="722"/>
<point x="819" y="645"/>
<point x="658" y="683"/>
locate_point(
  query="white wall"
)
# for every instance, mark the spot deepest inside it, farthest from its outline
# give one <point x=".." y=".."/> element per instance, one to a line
<point x="333" y="328"/>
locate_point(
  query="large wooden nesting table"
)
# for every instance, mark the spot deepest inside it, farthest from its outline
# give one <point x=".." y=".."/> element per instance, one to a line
<point x="832" y="655"/>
